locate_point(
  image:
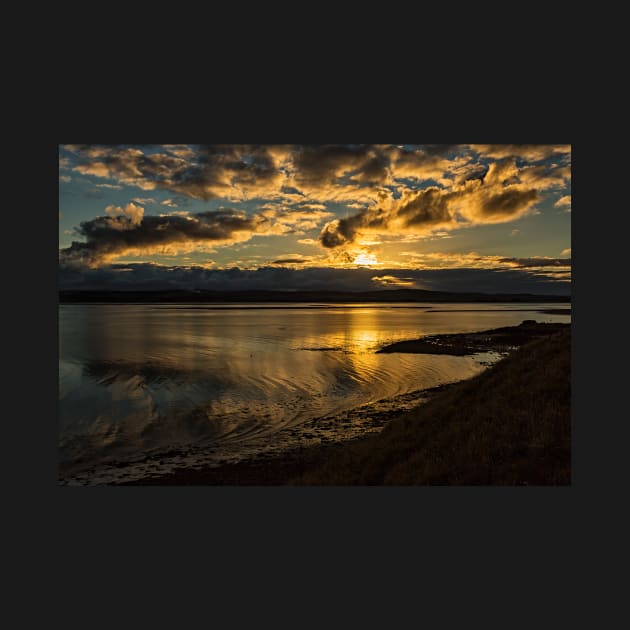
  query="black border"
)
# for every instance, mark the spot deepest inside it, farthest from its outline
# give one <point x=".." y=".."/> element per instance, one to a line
<point x="339" y="541"/>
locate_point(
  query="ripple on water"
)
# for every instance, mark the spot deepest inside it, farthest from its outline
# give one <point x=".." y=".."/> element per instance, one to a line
<point x="141" y="382"/>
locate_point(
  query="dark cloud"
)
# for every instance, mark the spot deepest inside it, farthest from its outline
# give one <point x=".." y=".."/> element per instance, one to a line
<point x="290" y="261"/>
<point x="324" y="163"/>
<point x="247" y="164"/>
<point x="421" y="162"/>
<point x="144" y="276"/>
<point x="107" y="237"/>
<point x="532" y="152"/>
<point x="476" y="171"/>
<point x="212" y="170"/>
<point x="290" y="190"/>
<point x="509" y="202"/>
<point x="438" y="149"/>
<point x="342" y="231"/>
<point x="331" y="235"/>
<point x="491" y="281"/>
<point x="427" y="207"/>
<point x="538" y="262"/>
<point x="220" y="167"/>
<point x="374" y="171"/>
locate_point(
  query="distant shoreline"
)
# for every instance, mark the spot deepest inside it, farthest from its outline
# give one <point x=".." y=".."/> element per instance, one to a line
<point x="383" y="296"/>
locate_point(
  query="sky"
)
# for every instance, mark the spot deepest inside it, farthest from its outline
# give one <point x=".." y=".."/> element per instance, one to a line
<point x="490" y="218"/>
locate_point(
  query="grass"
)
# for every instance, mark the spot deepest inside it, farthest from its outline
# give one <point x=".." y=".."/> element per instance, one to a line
<point x="511" y="425"/>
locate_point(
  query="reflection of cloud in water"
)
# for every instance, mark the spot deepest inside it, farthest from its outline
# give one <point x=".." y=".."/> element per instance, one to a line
<point x="137" y="375"/>
<point x="136" y="379"/>
<point x="145" y="406"/>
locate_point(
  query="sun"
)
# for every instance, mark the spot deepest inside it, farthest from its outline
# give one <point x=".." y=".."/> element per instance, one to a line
<point x="365" y="259"/>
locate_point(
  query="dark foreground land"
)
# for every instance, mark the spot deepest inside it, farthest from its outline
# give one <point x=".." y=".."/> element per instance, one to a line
<point x="510" y="425"/>
<point x="460" y="344"/>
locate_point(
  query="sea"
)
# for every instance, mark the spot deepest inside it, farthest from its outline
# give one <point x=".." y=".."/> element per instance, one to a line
<point x="145" y="389"/>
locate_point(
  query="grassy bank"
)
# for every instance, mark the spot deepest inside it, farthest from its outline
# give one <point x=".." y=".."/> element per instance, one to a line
<point x="511" y="425"/>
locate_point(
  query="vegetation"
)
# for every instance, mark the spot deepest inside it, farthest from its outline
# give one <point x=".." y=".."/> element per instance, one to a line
<point x="511" y="425"/>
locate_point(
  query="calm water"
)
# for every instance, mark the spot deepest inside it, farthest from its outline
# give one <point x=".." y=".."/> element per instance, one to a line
<point x="146" y="387"/>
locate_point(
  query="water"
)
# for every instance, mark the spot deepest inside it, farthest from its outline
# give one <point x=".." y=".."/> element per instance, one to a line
<point x="146" y="387"/>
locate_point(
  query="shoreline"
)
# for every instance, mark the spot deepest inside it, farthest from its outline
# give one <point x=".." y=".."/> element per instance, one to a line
<point x="69" y="296"/>
<point x="283" y="468"/>
<point x="501" y="340"/>
<point x="291" y="443"/>
<point x="277" y="468"/>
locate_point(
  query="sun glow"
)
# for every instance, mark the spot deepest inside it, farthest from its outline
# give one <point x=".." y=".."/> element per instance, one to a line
<point x="365" y="259"/>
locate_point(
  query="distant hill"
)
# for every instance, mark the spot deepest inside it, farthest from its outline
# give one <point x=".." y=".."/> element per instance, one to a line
<point x="385" y="296"/>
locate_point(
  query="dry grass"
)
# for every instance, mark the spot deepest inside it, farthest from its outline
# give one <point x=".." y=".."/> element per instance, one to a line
<point x="511" y="425"/>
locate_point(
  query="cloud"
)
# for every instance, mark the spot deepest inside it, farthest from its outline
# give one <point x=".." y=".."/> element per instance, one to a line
<point x="534" y="152"/>
<point x="566" y="252"/>
<point x="127" y="232"/>
<point x="358" y="175"/>
<point x="65" y="178"/>
<point x="564" y="202"/>
<point x="99" y="169"/>
<point x="426" y="260"/>
<point x="387" y="192"/>
<point x="144" y="276"/>
<point x="294" y="259"/>
<point x="394" y="281"/>
<point x="317" y="164"/>
<point x="545" y="176"/>
<point x="179" y="150"/>
<point x="172" y="213"/>
<point x="503" y="206"/>
<point x="427" y="163"/>
<point x="209" y="172"/>
<point x="296" y="220"/>
<point x="291" y="191"/>
<point x="319" y="172"/>
<point x="125" y="218"/>
<point x="112" y="186"/>
<point x="498" y="197"/>
<point x="537" y="261"/>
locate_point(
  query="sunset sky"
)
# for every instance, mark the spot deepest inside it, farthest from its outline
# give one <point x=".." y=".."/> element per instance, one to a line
<point x="442" y="217"/>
